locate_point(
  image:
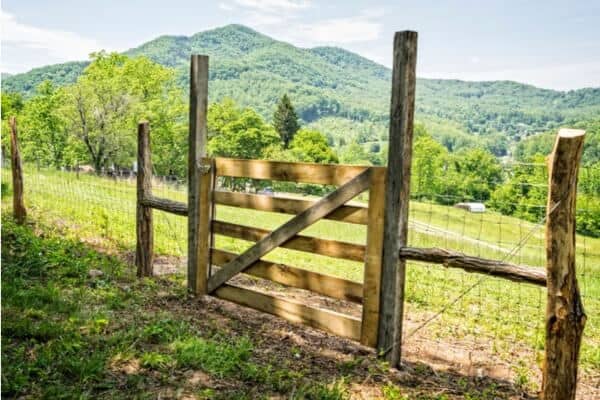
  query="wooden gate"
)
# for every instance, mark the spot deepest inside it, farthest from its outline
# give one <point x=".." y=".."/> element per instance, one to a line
<point x="351" y="181"/>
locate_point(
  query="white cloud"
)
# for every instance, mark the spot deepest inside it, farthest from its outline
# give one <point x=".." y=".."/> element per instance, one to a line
<point x="273" y="6"/>
<point x="358" y="28"/>
<point x="226" y="7"/>
<point x="23" y="45"/>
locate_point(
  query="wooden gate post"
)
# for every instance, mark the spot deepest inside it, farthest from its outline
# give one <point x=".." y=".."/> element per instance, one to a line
<point x="397" y="196"/>
<point x="198" y="137"/>
<point x="565" y="317"/>
<point x="19" y="210"/>
<point x="144" y="249"/>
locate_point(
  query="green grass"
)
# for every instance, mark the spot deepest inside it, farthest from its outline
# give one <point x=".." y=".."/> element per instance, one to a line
<point x="501" y="313"/>
<point x="63" y="337"/>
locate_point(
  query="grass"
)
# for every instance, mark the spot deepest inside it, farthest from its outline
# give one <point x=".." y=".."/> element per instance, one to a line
<point x="67" y="334"/>
<point x="497" y="313"/>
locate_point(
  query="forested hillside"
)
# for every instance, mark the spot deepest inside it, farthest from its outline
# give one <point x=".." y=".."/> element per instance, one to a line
<point x="345" y="95"/>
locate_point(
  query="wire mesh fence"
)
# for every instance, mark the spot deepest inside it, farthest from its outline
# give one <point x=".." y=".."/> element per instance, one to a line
<point x="482" y="316"/>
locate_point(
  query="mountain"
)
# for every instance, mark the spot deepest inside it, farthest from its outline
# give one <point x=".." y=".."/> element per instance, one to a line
<point x="345" y="94"/>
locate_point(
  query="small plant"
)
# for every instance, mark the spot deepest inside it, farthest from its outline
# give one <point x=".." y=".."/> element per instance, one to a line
<point x="392" y="392"/>
<point x="156" y="361"/>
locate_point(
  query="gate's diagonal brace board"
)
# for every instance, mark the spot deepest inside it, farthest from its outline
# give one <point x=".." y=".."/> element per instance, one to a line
<point x="288" y="230"/>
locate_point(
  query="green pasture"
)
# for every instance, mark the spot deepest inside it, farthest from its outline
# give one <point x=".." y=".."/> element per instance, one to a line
<point x="496" y="312"/>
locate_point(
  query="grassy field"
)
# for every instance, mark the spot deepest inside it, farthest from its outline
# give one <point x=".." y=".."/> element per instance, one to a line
<point x="69" y="335"/>
<point x="502" y="313"/>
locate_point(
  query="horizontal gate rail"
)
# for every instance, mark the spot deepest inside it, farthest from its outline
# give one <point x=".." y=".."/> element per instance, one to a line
<point x="309" y="244"/>
<point x="324" y="174"/>
<point x="326" y="285"/>
<point x="352" y="213"/>
<point x="331" y="321"/>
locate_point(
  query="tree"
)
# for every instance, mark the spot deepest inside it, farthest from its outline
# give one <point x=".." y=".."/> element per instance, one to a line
<point x="354" y="153"/>
<point x="479" y="173"/>
<point x="12" y="104"/>
<point x="44" y="131"/>
<point x="285" y="121"/>
<point x="430" y="159"/>
<point x="111" y="96"/>
<point x="238" y="133"/>
<point x="311" y="146"/>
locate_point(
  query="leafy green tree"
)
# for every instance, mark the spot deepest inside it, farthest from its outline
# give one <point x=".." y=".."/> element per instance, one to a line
<point x="354" y="153"/>
<point x="311" y="146"/>
<point x="285" y="120"/>
<point x="238" y="133"/>
<point x="479" y="173"/>
<point x="110" y="97"/>
<point x="44" y="134"/>
<point x="12" y="105"/>
<point x="428" y="163"/>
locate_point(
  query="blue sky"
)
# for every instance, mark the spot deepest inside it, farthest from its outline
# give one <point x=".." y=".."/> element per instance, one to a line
<point x="552" y="44"/>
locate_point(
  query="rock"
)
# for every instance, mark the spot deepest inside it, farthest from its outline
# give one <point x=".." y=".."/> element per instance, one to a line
<point x="95" y="273"/>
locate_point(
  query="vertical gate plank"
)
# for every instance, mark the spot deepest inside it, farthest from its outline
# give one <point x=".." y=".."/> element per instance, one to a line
<point x="373" y="259"/>
<point x="197" y="141"/>
<point x="144" y="230"/>
<point x="19" y="210"/>
<point x="397" y="195"/>
<point x="565" y="317"/>
<point x="205" y="215"/>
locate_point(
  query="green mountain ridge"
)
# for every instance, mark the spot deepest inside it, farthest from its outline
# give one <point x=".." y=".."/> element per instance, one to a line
<point x="343" y="93"/>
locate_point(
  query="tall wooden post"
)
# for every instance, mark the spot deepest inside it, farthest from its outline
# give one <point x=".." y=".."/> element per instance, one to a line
<point x="565" y="317"/>
<point x="198" y="138"/>
<point x="144" y="229"/>
<point x="19" y="210"/>
<point x="397" y="196"/>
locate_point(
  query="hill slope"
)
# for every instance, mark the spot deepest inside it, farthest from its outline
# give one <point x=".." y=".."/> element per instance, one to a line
<point x="335" y="89"/>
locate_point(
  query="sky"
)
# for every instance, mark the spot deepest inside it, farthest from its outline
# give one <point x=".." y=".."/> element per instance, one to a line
<point x="550" y="44"/>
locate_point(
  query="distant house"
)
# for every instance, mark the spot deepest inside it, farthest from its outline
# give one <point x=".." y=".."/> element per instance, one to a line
<point x="471" y="207"/>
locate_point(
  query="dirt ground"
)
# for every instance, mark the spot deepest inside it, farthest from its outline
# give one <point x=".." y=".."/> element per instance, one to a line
<point x="432" y="368"/>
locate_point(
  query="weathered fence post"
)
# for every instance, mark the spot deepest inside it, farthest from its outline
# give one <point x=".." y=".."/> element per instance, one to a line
<point x="144" y="230"/>
<point x="565" y="317"/>
<point x="19" y="210"/>
<point x="397" y="196"/>
<point x="198" y="137"/>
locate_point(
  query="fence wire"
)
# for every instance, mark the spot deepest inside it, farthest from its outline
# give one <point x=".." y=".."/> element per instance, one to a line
<point x="498" y="319"/>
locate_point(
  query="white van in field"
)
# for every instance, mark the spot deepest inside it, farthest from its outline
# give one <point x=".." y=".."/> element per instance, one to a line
<point x="471" y="207"/>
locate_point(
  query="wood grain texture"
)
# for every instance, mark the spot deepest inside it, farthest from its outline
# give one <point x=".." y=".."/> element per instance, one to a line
<point x="397" y="195"/>
<point x="565" y="316"/>
<point x="355" y="213"/>
<point x="288" y="230"/>
<point x="204" y="232"/>
<point x="454" y="259"/>
<point x="373" y="260"/>
<point x="197" y="141"/>
<point x="325" y="174"/>
<point x="327" y="320"/>
<point x="326" y="285"/>
<point x="309" y="244"/>
<point x="19" y="210"/>
<point x="144" y="229"/>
